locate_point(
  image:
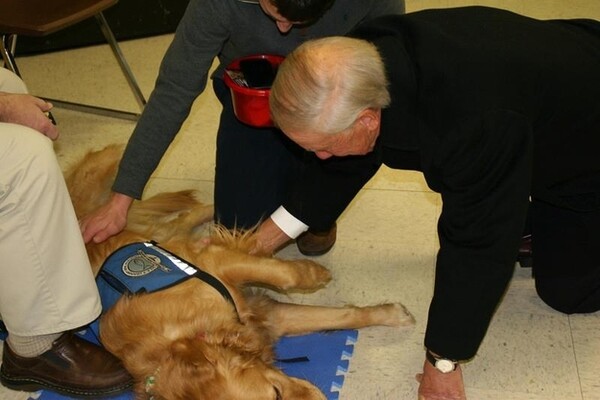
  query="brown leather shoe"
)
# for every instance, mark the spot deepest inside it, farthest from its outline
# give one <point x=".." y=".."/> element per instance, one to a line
<point x="312" y="243"/>
<point x="73" y="367"/>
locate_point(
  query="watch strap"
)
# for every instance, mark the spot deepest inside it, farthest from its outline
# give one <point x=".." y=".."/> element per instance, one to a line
<point x="436" y="361"/>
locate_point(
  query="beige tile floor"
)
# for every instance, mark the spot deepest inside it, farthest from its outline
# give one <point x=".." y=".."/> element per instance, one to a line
<point x="387" y="240"/>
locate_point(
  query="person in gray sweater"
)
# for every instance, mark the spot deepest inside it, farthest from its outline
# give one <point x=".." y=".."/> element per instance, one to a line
<point x="255" y="167"/>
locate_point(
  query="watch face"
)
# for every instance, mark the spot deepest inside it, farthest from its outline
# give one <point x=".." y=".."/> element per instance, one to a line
<point x="444" y="366"/>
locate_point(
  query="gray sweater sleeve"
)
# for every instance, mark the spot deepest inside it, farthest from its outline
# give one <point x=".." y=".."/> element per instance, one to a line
<point x="182" y="77"/>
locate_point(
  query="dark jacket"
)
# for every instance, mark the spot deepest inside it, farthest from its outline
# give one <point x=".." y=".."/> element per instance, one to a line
<point x="492" y="107"/>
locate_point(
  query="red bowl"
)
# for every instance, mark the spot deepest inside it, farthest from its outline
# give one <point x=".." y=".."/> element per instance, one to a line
<point x="250" y="105"/>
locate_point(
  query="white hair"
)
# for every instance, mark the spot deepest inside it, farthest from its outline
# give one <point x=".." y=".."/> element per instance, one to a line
<point x="325" y="83"/>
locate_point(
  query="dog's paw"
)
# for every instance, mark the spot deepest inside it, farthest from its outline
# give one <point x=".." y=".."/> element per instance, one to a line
<point x="393" y="315"/>
<point x="401" y="316"/>
<point x="311" y="275"/>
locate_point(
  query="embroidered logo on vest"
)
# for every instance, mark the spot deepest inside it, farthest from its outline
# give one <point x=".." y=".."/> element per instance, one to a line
<point x="141" y="264"/>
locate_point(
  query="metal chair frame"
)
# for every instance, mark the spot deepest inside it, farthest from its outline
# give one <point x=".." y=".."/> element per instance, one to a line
<point x="8" y="47"/>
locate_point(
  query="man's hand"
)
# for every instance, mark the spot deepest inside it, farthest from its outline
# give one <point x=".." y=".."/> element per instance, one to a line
<point x="27" y="110"/>
<point x="107" y="220"/>
<point x="269" y="238"/>
<point x="435" y="385"/>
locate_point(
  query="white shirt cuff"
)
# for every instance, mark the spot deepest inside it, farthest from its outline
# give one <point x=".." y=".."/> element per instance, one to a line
<point x="289" y="224"/>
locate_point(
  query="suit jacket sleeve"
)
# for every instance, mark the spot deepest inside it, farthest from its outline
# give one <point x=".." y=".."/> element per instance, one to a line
<point x="328" y="186"/>
<point x="484" y="178"/>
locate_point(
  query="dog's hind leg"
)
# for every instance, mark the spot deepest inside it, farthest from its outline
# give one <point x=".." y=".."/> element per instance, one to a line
<point x="294" y="319"/>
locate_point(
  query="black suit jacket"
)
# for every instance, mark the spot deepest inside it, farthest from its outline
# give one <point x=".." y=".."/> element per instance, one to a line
<point x="492" y="107"/>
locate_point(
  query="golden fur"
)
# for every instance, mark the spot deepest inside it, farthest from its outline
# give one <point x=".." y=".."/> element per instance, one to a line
<point x="187" y="342"/>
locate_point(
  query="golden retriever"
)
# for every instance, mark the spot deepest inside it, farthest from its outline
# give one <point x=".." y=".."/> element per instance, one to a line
<point x="188" y="342"/>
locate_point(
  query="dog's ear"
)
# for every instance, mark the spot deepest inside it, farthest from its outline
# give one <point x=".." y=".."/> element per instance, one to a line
<point x="194" y="368"/>
<point x="247" y="342"/>
<point x="189" y="351"/>
<point x="184" y="372"/>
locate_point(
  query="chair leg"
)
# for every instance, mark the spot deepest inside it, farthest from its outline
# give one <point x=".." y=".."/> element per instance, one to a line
<point x="110" y="38"/>
<point x="108" y="112"/>
<point x="7" y="45"/>
<point x="7" y="48"/>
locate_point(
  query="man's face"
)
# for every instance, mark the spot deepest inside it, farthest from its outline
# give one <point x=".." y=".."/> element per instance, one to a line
<point x="358" y="139"/>
<point x="283" y="24"/>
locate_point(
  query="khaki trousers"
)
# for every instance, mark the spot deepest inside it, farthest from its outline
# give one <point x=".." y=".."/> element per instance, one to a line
<point x="46" y="283"/>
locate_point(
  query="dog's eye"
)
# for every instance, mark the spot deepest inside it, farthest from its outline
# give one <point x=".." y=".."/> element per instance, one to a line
<point x="277" y="394"/>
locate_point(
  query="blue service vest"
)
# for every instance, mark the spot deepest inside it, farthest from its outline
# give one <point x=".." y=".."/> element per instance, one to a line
<point x="145" y="267"/>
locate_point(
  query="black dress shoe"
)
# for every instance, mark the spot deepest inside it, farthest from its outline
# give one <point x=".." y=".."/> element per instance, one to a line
<point x="525" y="256"/>
<point x="73" y="367"/>
<point x="312" y="243"/>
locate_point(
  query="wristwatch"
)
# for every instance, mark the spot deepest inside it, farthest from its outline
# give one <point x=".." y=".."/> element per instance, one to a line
<point x="444" y="365"/>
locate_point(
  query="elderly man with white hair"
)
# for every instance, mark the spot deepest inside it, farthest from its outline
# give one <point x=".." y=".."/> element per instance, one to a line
<point x="496" y="109"/>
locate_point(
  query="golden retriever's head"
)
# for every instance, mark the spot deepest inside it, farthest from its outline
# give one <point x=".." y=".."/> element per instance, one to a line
<point x="193" y="370"/>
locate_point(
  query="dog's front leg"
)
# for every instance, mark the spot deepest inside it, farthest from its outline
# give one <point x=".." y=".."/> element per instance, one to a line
<point x="240" y="268"/>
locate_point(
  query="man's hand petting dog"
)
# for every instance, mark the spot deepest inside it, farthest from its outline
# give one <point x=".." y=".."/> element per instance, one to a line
<point x="108" y="220"/>
<point x="269" y="238"/>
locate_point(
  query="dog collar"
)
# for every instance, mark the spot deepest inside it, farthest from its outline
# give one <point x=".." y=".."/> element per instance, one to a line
<point x="150" y="383"/>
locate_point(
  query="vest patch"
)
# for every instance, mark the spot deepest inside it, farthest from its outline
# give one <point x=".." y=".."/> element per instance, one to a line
<point x="140" y="268"/>
<point x="141" y="264"/>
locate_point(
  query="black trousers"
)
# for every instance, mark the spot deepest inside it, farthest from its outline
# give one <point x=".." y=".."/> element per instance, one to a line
<point x="566" y="262"/>
<point x="255" y="168"/>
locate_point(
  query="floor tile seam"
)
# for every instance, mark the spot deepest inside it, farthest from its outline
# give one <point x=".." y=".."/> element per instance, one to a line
<point x="573" y="346"/>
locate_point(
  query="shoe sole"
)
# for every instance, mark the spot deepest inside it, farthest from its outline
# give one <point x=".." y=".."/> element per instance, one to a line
<point x="33" y="385"/>
<point x="315" y="253"/>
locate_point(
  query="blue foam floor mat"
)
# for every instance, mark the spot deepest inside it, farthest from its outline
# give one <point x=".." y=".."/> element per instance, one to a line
<point x="322" y="358"/>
